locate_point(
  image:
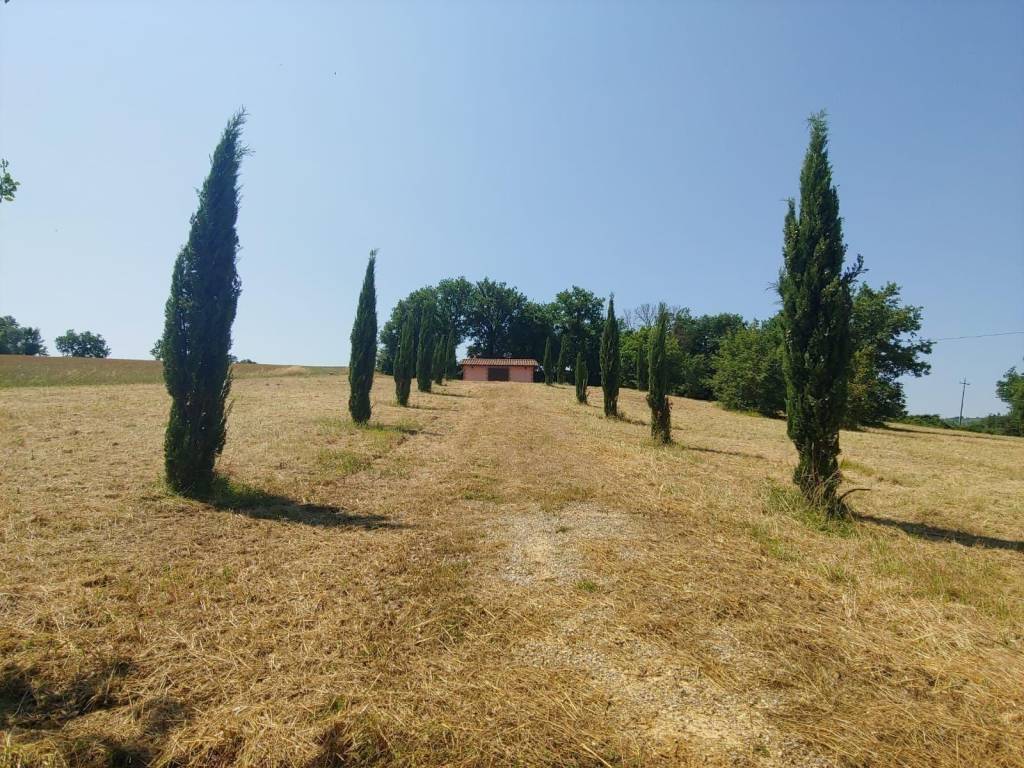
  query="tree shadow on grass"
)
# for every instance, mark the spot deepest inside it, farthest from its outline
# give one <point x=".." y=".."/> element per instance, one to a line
<point x="452" y="394"/>
<point x="261" y="505"/>
<point x="701" y="449"/>
<point x="934" y="533"/>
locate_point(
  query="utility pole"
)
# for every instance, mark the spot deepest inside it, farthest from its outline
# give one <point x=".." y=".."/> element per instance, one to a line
<point x="963" y="392"/>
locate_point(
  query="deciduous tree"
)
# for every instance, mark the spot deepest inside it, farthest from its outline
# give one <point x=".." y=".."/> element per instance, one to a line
<point x="20" y="340"/>
<point x="84" y="344"/>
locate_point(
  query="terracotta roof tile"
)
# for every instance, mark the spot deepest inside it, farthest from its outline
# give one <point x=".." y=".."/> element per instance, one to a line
<point x="500" y="361"/>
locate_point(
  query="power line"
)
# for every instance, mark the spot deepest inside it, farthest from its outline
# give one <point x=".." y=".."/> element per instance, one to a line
<point x="979" y="336"/>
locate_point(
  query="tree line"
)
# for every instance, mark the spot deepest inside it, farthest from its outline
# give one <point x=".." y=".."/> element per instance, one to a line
<point x="810" y="350"/>
<point x="16" y="339"/>
<point x="708" y="357"/>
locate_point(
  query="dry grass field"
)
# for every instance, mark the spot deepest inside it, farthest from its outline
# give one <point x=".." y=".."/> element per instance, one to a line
<point x="498" y="576"/>
<point x="25" y="371"/>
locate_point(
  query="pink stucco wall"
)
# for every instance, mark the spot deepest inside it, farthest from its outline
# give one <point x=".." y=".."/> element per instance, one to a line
<point x="519" y="373"/>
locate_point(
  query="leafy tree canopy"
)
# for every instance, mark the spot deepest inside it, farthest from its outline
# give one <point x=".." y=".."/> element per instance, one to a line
<point x="84" y="344"/>
<point x="18" y="340"/>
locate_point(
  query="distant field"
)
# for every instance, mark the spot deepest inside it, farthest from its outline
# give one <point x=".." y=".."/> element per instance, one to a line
<point x="23" y="371"/>
<point x="497" y="576"/>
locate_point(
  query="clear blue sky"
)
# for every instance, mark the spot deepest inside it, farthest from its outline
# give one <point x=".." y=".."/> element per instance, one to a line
<point x="641" y="148"/>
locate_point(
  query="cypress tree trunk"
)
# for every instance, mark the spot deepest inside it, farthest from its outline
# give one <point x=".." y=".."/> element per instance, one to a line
<point x="816" y="309"/>
<point x="548" y="373"/>
<point x="439" y="360"/>
<point x="657" y="397"/>
<point x="363" y="358"/>
<point x="581" y="378"/>
<point x="404" y="363"/>
<point x="560" y="373"/>
<point x="197" y="326"/>
<point x="610" y="362"/>
<point x="424" y="359"/>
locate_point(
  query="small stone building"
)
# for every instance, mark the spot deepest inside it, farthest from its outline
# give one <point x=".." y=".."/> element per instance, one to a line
<point x="498" y="369"/>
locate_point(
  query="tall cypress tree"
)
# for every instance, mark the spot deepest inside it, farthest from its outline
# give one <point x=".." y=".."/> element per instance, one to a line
<point x="363" y="358"/>
<point x="562" y="352"/>
<point x="197" y="326"/>
<point x="581" y="378"/>
<point x="424" y="357"/>
<point x="641" y="366"/>
<point x="816" y="309"/>
<point x="404" y="362"/>
<point x="451" y="364"/>
<point x="548" y="373"/>
<point x="439" y="360"/>
<point x="610" y="363"/>
<point x="657" y="381"/>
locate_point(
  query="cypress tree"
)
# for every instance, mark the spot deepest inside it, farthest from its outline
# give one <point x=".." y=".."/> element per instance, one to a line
<point x="197" y="326"/>
<point x="424" y="358"/>
<point x="548" y="373"/>
<point x="816" y="309"/>
<point x="657" y="380"/>
<point x="440" y="358"/>
<point x="581" y="378"/>
<point x="610" y="362"/>
<point x="641" y="366"/>
<point x="363" y="358"/>
<point x="404" y="362"/>
<point x="452" y="363"/>
<point x="562" y="351"/>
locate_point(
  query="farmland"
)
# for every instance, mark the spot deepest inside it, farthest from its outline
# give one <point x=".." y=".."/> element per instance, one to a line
<point x="493" y="576"/>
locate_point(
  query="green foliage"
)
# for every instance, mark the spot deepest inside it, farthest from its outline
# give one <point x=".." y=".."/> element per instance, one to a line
<point x="581" y="378"/>
<point x="748" y="369"/>
<point x="157" y="351"/>
<point x="451" y="362"/>
<point x="816" y="309"/>
<point x="548" y="373"/>
<point x="424" y="354"/>
<point x="363" y="356"/>
<point x="610" y="361"/>
<point x="658" y="380"/>
<point x="577" y="316"/>
<point x="198" y="317"/>
<point x="440" y="357"/>
<point x="925" y="420"/>
<point x="19" y="340"/>
<point x="562" y="361"/>
<point x="699" y="339"/>
<point x="8" y="186"/>
<point x="886" y="346"/>
<point x="1010" y="389"/>
<point x="404" y="361"/>
<point x="641" y="367"/>
<point x="84" y="344"/>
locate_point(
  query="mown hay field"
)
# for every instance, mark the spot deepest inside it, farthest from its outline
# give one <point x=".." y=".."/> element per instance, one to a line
<point x="498" y="576"/>
<point x="25" y="371"/>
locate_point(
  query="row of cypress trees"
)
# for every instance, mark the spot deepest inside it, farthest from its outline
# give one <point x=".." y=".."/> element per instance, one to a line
<point x="816" y="312"/>
<point x="429" y="358"/>
<point x="816" y="308"/>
